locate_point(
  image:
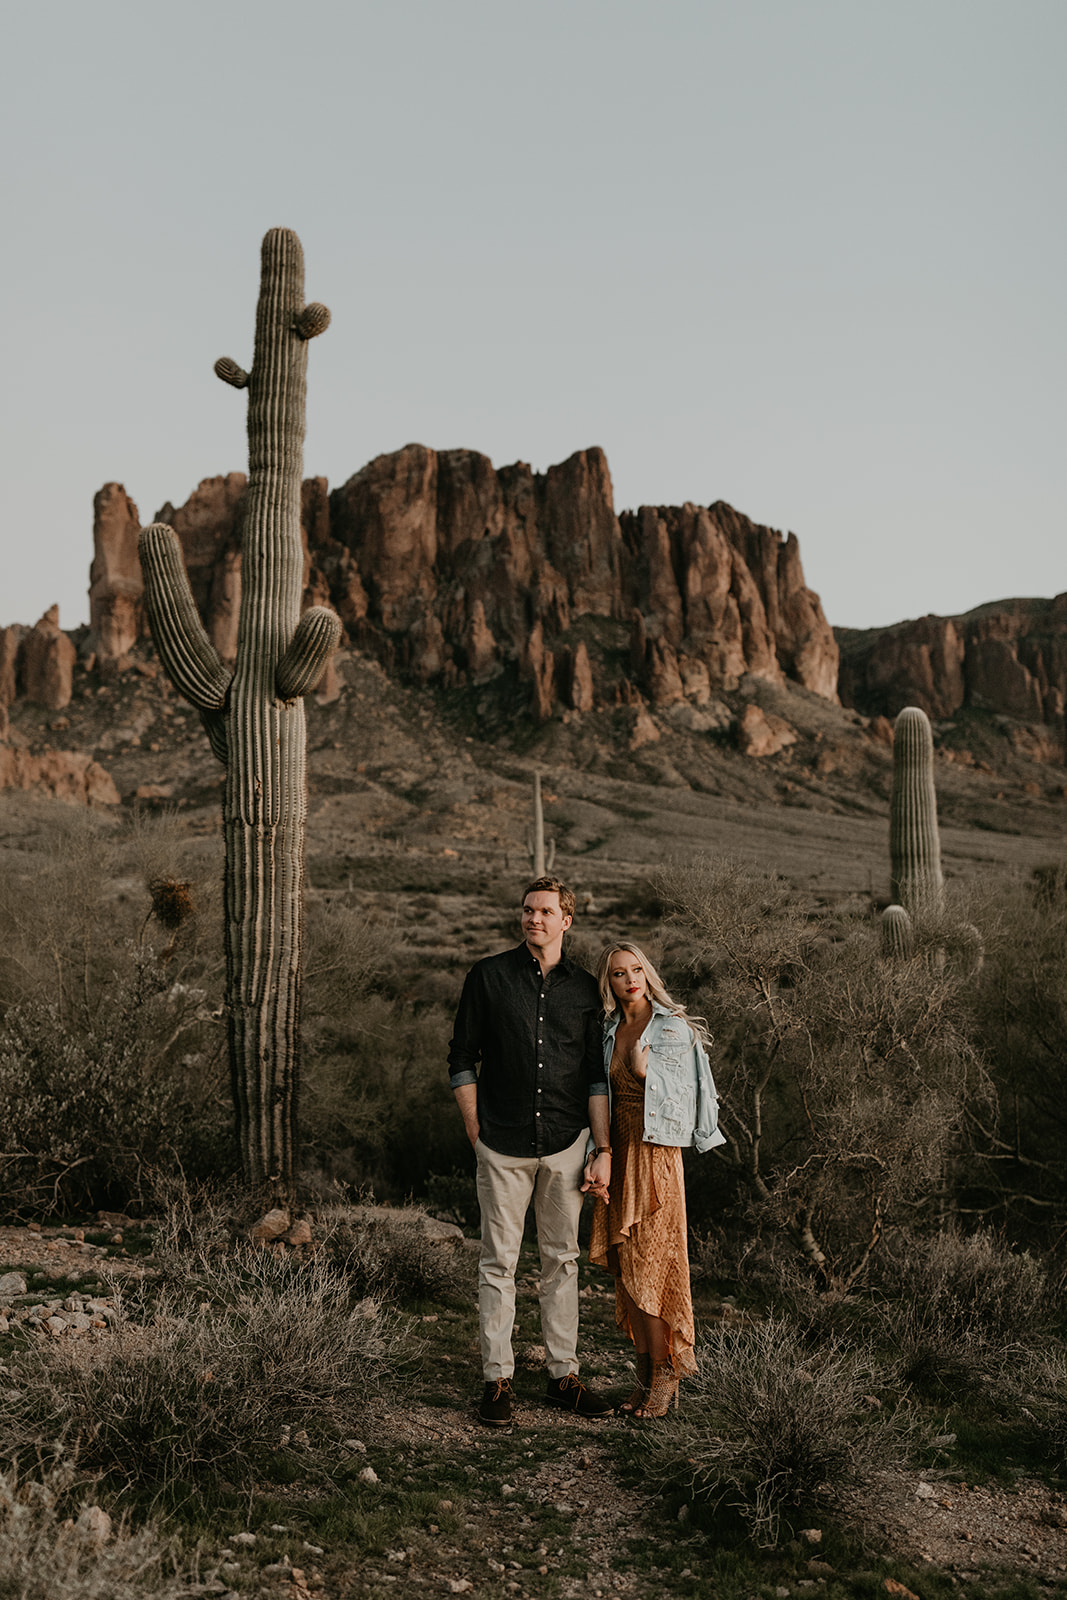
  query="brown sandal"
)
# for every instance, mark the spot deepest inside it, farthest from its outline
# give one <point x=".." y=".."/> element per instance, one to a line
<point x="639" y="1394"/>
<point x="662" y="1391"/>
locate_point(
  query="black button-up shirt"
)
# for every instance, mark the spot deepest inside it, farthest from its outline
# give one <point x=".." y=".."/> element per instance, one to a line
<point x="539" y="1043"/>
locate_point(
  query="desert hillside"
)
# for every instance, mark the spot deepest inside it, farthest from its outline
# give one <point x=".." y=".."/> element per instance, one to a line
<point x="667" y="671"/>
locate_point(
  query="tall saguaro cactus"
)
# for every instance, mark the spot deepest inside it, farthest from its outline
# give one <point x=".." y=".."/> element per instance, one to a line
<point x="254" y="716"/>
<point x="914" y="842"/>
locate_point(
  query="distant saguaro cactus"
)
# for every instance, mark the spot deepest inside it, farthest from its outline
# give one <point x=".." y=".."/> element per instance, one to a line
<point x="535" y="839"/>
<point x="254" y="716"/>
<point x="914" y="842"/>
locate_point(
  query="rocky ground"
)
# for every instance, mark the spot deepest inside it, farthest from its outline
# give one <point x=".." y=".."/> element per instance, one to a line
<point x="552" y="1504"/>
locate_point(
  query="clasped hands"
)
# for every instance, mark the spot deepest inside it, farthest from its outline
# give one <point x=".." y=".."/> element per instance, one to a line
<point x="596" y="1182"/>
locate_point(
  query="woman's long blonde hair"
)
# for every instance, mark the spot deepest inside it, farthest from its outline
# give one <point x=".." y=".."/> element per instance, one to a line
<point x="655" y="987"/>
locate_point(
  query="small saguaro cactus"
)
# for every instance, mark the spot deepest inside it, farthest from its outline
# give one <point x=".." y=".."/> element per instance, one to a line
<point x="898" y="935"/>
<point x="535" y="839"/>
<point x="254" y="715"/>
<point x="914" y="842"/>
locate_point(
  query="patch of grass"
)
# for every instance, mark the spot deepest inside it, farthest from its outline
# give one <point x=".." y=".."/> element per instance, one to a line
<point x="56" y="1543"/>
<point x="198" y="1396"/>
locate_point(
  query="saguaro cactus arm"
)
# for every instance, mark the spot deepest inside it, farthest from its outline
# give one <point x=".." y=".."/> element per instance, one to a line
<point x="228" y="370"/>
<point x="189" y="658"/>
<point x="300" y="669"/>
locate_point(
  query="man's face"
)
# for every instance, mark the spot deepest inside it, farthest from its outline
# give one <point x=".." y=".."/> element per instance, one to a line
<point x="543" y="921"/>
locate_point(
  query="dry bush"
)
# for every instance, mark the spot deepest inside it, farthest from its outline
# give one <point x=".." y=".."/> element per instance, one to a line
<point x="212" y="1390"/>
<point x="960" y="1305"/>
<point x="772" y="1424"/>
<point x="111" y="1040"/>
<point x="973" y="1282"/>
<point x="89" y="1107"/>
<point x="395" y="1260"/>
<point x="845" y="1080"/>
<point x="377" y="1107"/>
<point x="1039" y="1384"/>
<point x="1019" y="1008"/>
<point x="48" y="1551"/>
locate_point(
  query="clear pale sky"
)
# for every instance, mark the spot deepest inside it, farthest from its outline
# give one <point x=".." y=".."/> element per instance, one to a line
<point x="807" y="256"/>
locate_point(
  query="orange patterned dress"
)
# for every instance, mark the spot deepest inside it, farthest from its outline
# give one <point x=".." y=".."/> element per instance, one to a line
<point x="641" y="1236"/>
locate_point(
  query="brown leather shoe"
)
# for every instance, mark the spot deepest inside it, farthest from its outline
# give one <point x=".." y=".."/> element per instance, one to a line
<point x="494" y="1408"/>
<point x="571" y="1394"/>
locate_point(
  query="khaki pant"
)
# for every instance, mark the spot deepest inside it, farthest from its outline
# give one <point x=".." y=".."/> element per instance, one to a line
<point x="505" y="1186"/>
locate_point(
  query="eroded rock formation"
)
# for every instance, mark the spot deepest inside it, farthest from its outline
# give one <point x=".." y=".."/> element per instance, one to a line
<point x="115" y="584"/>
<point x="449" y="570"/>
<point x="44" y="666"/>
<point x="1009" y="657"/>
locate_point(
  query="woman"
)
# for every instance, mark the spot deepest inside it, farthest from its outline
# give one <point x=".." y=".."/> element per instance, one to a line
<point x="663" y="1099"/>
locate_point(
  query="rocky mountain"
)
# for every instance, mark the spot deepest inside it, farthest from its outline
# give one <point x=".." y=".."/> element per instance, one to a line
<point x="678" y="646"/>
<point x="1008" y="658"/>
<point x="449" y="571"/>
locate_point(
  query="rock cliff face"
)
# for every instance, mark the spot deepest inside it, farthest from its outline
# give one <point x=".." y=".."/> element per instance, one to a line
<point x="451" y="571"/>
<point x="1008" y="657"/>
<point x="115" y="586"/>
<point x="37" y="662"/>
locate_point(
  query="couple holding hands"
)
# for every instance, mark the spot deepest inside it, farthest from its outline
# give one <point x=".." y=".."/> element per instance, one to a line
<point x="536" y="1044"/>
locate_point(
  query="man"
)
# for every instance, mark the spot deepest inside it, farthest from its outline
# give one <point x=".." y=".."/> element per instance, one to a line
<point x="530" y="1017"/>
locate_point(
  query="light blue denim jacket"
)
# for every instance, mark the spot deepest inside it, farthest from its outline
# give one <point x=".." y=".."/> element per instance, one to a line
<point x="681" y="1105"/>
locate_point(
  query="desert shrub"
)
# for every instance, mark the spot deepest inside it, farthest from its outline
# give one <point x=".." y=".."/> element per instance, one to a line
<point x="973" y="1283"/>
<point x="772" y="1425"/>
<point x="846" y="1081"/>
<point x="51" y="1546"/>
<point x="273" y="1348"/>
<point x="110" y="1029"/>
<point x="377" y="1107"/>
<point x="396" y="1260"/>
<point x="958" y="1305"/>
<point x="453" y="1196"/>
<point x="89" y="1106"/>
<point x="1019" y="1007"/>
<point x="1039" y="1384"/>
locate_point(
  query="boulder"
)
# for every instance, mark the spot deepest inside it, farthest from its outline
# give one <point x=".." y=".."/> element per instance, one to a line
<point x="760" y="733"/>
<point x="272" y="1225"/>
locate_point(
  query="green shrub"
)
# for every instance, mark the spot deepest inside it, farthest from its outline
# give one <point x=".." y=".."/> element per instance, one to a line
<point x="772" y="1424"/>
<point x="251" y="1351"/>
<point x="377" y="1107"/>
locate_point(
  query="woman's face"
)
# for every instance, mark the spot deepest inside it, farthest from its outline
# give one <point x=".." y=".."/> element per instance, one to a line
<point x="627" y="977"/>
